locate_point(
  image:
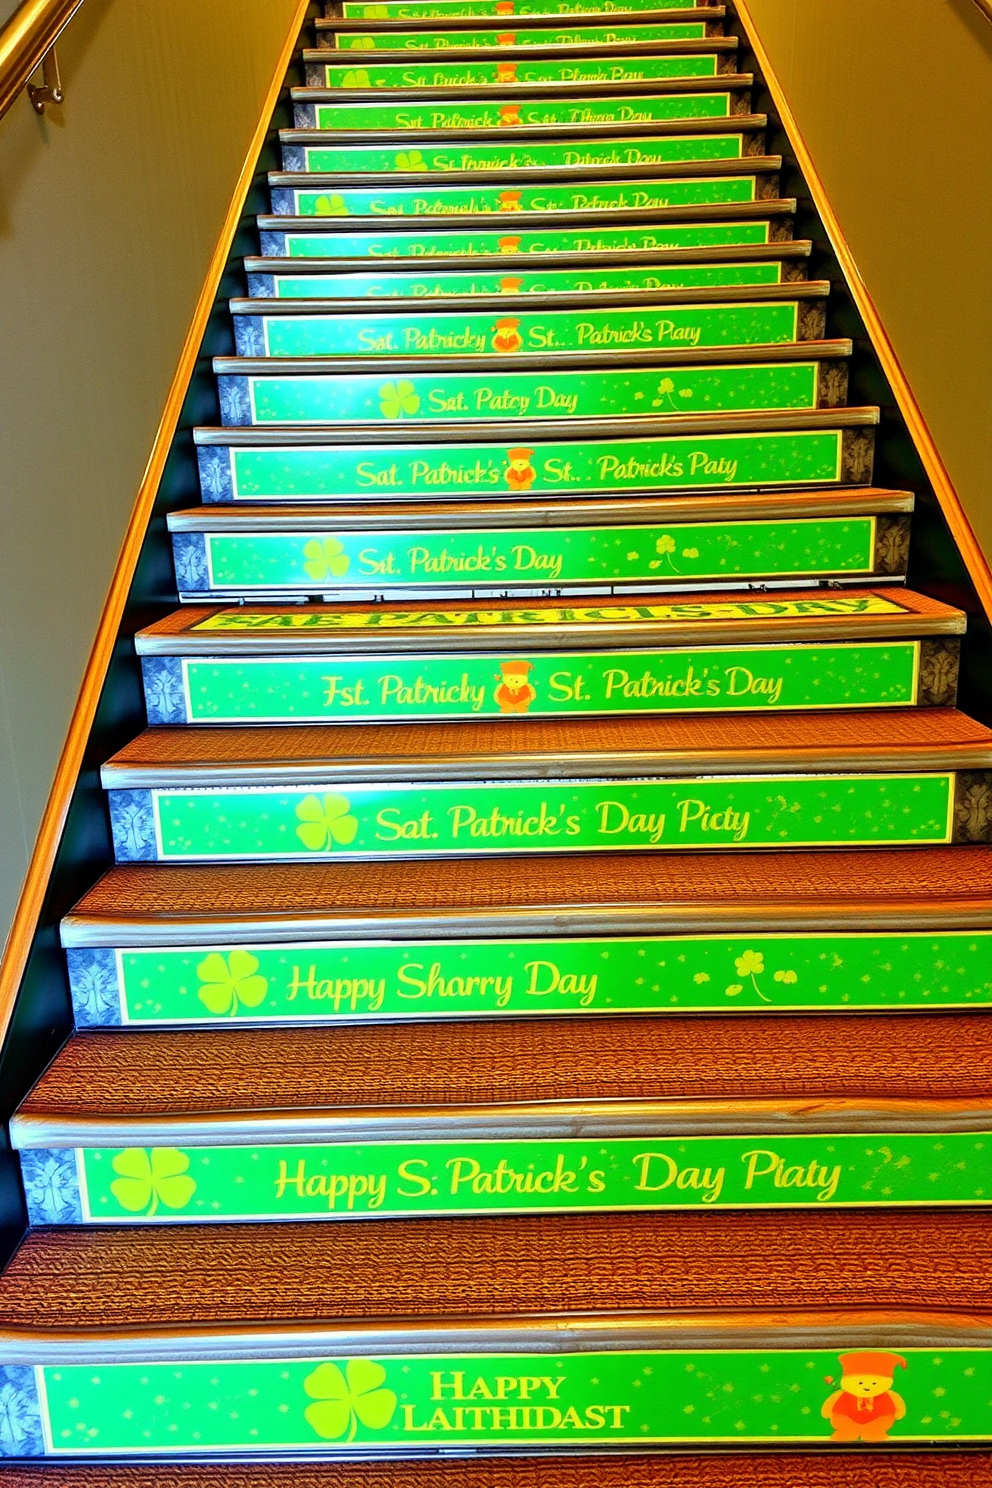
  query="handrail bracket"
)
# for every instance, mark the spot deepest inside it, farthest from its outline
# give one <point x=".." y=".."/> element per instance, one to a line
<point x="50" y="90"/>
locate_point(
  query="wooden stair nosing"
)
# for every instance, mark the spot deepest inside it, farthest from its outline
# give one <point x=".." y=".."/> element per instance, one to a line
<point x="507" y="221"/>
<point x="724" y="82"/>
<point x="651" y="128"/>
<point x="756" y="165"/>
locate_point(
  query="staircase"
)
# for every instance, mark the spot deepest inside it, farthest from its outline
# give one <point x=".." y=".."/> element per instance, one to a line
<point x="533" y="1032"/>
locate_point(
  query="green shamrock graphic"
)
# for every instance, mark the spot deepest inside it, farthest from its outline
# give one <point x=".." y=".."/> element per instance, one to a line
<point x="331" y="206"/>
<point x="410" y="160"/>
<point x="356" y="77"/>
<point x="325" y="557"/>
<point x="666" y="388"/>
<point x="785" y="976"/>
<point x="397" y="398"/>
<point x="752" y="964"/>
<point x="690" y="552"/>
<point x="341" y="1403"/>
<point x="147" y="1176"/>
<point x="375" y="12"/>
<point x="362" y="44"/>
<point x="664" y="547"/>
<point x="325" y="821"/>
<point x="230" y="981"/>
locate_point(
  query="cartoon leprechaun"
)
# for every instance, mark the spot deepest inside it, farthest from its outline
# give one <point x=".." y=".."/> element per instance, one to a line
<point x="521" y="475"/>
<point x="506" y="334"/>
<point x="509" y="114"/>
<point x="506" y="72"/>
<point x="508" y="244"/>
<point x="866" y="1406"/>
<point x="509" y="201"/>
<point x="514" y="693"/>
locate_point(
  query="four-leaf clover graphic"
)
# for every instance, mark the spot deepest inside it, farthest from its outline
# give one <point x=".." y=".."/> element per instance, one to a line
<point x="410" y="160"/>
<point x="341" y="1401"/>
<point x="398" y="398"/>
<point x="325" y="557"/>
<point x="331" y="205"/>
<point x="325" y="820"/>
<point x="229" y="981"/>
<point x="149" y="1175"/>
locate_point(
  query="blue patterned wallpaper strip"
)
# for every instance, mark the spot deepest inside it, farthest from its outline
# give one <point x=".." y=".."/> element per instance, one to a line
<point x="95" y="991"/>
<point x="165" y="697"/>
<point x="20" y="1413"/>
<point x="273" y="244"/>
<point x="51" y="1185"/>
<point x="189" y="552"/>
<point x="235" y="404"/>
<point x="304" y="116"/>
<point x="293" y="158"/>
<point x="283" y="202"/>
<point x="216" y="482"/>
<point x="262" y="286"/>
<point x="133" y="821"/>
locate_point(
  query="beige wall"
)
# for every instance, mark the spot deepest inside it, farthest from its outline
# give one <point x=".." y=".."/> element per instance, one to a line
<point x="109" y="210"/>
<point x="894" y="98"/>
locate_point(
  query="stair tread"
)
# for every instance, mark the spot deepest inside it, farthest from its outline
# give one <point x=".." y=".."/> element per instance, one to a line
<point x="643" y="129"/>
<point x="660" y="14"/>
<point x="740" y="741"/>
<point x="800" y="248"/>
<point x="132" y="1074"/>
<point x="688" y="212"/>
<point x="570" y="88"/>
<point x="173" y="893"/>
<point x="715" y="294"/>
<point x="151" y="1277"/>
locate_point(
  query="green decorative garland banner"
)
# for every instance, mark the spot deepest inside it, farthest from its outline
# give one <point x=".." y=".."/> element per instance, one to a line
<point x="659" y="464"/>
<point x="368" y="689"/>
<point x="468" y="819"/>
<point x="529" y="240"/>
<point x="387" y="332"/>
<point x="347" y="980"/>
<point x="436" y="73"/>
<point x="438" y="114"/>
<point x="569" y="1400"/>
<point x="429" y="200"/>
<point x="427" y="285"/>
<point x="333" y="1180"/>
<point x="353" y="158"/>
<point x="549" y="36"/>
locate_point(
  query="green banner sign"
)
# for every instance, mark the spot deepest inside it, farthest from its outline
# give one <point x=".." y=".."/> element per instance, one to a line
<point x="352" y="158"/>
<point x="436" y="73"/>
<point x="364" y="689"/>
<point x="466" y="819"/>
<point x="426" y="10"/>
<point x="345" y="980"/>
<point x="450" y="201"/>
<point x="290" y="1181"/>
<point x="568" y="1400"/>
<point x="438" y="114"/>
<point x="407" y="244"/>
<point x="616" y="34"/>
<point x="464" y="396"/>
<point x="424" y="284"/>
<point x="682" y="552"/>
<point x="404" y="332"/>
<point x="657" y="464"/>
<point x="605" y="614"/>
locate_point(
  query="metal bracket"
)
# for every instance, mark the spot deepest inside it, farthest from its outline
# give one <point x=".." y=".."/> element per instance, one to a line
<point x="51" y="85"/>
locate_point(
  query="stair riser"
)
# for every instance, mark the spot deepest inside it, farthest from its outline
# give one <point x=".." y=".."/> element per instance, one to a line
<point x="341" y="561"/>
<point x="352" y="982"/>
<point x="297" y="1401"/>
<point x="527" y="155"/>
<point x="287" y="1180"/>
<point x="427" y="285"/>
<point x="409" y="244"/>
<point x="428" y="200"/>
<point x="337" y="819"/>
<point x="438" y="73"/>
<point x="432" y="9"/>
<point x="367" y="399"/>
<point x="507" y="113"/>
<point x="617" y="33"/>
<point x="415" y="472"/>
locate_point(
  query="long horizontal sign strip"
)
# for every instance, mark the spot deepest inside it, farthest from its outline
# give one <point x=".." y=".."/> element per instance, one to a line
<point x="474" y="244"/>
<point x="437" y="73"/>
<point x="618" y="33"/>
<point x="428" y="200"/>
<point x="389" y="560"/>
<point x="582" y="684"/>
<point x="293" y="1180"/>
<point x="566" y="1401"/>
<point x="425" y="10"/>
<point x="323" y="981"/>
<point x="366" y="398"/>
<point x="325" y="472"/>
<point x="435" y="114"/>
<point x="352" y="158"/>
<point x="425" y="284"/>
<point x="469" y="819"/>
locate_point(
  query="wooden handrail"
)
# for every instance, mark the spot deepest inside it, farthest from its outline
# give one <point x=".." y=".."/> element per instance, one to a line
<point x="985" y="6"/>
<point x="70" y="762"/>
<point x="950" y="503"/>
<point x="26" y="41"/>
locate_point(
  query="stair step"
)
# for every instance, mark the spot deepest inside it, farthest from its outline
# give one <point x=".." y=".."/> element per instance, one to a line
<point x="401" y="11"/>
<point x="568" y="189"/>
<point x="508" y="117"/>
<point x="669" y="74"/>
<point x="256" y="551"/>
<point x="307" y="152"/>
<point x="657" y="783"/>
<point x="763" y="1300"/>
<point x="693" y="38"/>
<point x="325" y="241"/>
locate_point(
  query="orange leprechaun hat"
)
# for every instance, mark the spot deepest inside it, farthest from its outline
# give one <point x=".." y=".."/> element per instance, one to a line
<point x="516" y="668"/>
<point x="509" y="245"/>
<point x="519" y="454"/>
<point x="871" y="1362"/>
<point x="510" y="285"/>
